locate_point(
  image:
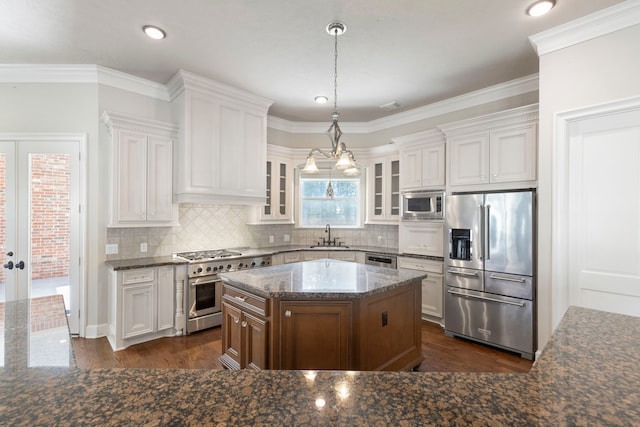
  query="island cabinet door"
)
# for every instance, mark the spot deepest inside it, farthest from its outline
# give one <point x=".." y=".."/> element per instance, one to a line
<point x="316" y="335"/>
<point x="232" y="336"/>
<point x="256" y="338"/>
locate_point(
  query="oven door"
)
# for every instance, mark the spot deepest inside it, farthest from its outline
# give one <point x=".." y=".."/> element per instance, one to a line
<point x="205" y="296"/>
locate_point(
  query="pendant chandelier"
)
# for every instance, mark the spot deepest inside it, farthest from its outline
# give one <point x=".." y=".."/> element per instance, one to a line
<point x="345" y="161"/>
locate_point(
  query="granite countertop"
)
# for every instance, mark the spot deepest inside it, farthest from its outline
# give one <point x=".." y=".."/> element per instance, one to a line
<point x="127" y="264"/>
<point x="587" y="375"/>
<point x="323" y="278"/>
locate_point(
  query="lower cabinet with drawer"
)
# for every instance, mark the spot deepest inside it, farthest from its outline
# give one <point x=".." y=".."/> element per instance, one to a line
<point x="141" y="305"/>
<point x="245" y="330"/>
<point x="432" y="286"/>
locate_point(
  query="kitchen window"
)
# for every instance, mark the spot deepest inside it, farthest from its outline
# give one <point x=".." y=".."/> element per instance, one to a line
<point x="317" y="210"/>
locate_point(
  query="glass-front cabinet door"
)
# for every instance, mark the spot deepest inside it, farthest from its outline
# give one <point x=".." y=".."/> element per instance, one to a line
<point x="384" y="191"/>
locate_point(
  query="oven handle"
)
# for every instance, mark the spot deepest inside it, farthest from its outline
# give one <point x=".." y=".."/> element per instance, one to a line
<point x="460" y="294"/>
<point x="204" y="282"/>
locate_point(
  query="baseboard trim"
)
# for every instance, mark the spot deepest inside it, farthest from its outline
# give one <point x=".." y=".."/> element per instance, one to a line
<point x="96" y="331"/>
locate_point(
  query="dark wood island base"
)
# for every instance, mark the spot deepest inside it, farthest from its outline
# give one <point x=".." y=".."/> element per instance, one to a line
<point x="371" y="327"/>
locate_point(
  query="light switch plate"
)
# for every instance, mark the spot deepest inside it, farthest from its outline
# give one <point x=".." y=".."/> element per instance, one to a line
<point x="272" y="239"/>
<point x="143" y="247"/>
<point x="287" y="238"/>
<point x="111" y="249"/>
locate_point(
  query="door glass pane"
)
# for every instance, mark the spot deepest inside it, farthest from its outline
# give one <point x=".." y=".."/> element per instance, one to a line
<point x="50" y="224"/>
<point x="3" y="224"/>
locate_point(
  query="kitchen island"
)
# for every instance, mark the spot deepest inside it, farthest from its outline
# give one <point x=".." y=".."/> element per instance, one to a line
<point x="322" y="314"/>
<point x="587" y="375"/>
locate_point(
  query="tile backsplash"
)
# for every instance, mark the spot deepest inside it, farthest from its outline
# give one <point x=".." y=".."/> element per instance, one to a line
<point x="205" y="226"/>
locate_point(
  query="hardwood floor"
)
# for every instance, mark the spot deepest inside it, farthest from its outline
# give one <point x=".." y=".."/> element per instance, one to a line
<point x="202" y="350"/>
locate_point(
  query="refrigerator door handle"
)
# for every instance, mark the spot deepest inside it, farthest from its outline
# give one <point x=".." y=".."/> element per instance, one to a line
<point x="460" y="294"/>
<point x="463" y="273"/>
<point x="487" y="234"/>
<point x="482" y="233"/>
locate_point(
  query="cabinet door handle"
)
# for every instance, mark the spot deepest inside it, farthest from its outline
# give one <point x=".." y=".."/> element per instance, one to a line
<point x="236" y="319"/>
<point x="287" y="313"/>
<point x="244" y="324"/>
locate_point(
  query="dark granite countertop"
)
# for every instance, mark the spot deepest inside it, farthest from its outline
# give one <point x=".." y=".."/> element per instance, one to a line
<point x="587" y="376"/>
<point x="323" y="278"/>
<point x="127" y="264"/>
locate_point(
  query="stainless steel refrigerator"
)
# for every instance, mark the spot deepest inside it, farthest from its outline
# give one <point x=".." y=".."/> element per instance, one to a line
<point x="490" y="264"/>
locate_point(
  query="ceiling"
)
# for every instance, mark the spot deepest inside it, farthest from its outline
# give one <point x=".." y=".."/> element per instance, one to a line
<point x="414" y="52"/>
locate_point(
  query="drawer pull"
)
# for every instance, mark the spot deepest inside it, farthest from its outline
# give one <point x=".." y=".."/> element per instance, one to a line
<point x="508" y="279"/>
<point x="463" y="273"/>
<point x="236" y="319"/>
<point x="244" y="324"/>
<point x="243" y="299"/>
<point x="287" y="313"/>
<point x="460" y="294"/>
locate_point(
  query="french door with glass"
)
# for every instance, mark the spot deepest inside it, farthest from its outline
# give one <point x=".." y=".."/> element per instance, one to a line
<point x="40" y="219"/>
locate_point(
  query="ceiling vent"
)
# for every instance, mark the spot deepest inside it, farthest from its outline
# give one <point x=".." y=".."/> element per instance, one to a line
<point x="392" y="106"/>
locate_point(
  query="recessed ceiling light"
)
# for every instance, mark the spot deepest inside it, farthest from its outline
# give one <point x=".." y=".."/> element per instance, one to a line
<point x="541" y="7"/>
<point x="154" y="32"/>
<point x="321" y="99"/>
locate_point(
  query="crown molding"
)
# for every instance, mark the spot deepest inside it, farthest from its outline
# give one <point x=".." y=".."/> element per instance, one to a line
<point x="81" y="73"/>
<point x="482" y="96"/>
<point x="186" y="80"/>
<point x="514" y="116"/>
<point x="420" y="138"/>
<point x="603" y="22"/>
<point x="137" y="124"/>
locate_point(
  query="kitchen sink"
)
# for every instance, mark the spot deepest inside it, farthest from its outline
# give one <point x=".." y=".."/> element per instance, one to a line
<point x="328" y="247"/>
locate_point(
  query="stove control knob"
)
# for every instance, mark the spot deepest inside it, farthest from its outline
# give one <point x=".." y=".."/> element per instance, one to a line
<point x="221" y="268"/>
<point x="229" y="267"/>
<point x="215" y="268"/>
<point x="208" y="269"/>
<point x="199" y="270"/>
<point x="253" y="264"/>
<point x="240" y="265"/>
<point x="263" y="263"/>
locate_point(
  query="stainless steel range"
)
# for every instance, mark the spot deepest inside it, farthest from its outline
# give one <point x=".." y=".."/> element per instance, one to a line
<point x="203" y="303"/>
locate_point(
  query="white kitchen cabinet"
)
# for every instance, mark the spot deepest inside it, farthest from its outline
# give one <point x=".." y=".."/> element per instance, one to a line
<point x="289" y="257"/>
<point x="141" y="305"/>
<point x="315" y="254"/>
<point x="343" y="255"/>
<point x="221" y="155"/>
<point x="141" y="171"/>
<point x="384" y="191"/>
<point x="495" y="149"/>
<point x="422" y="156"/>
<point x="432" y="286"/>
<point x="277" y="207"/>
<point x="421" y="238"/>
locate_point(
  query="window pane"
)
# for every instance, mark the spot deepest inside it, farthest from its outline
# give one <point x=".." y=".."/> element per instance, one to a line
<point x="335" y="212"/>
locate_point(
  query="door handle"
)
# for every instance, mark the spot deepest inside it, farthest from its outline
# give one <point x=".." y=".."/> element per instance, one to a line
<point x="9" y="265"/>
<point x="20" y="265"/>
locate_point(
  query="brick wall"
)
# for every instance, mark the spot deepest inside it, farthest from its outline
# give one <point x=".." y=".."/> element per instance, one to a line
<point x="50" y="210"/>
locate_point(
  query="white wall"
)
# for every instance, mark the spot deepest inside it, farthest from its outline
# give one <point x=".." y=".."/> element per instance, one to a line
<point x="590" y="73"/>
<point x="69" y="108"/>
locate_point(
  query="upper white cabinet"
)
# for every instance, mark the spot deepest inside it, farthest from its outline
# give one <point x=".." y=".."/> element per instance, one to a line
<point x="141" y="171"/>
<point x="221" y="154"/>
<point x="277" y="205"/>
<point x="423" y="160"/>
<point x="494" y="149"/>
<point x="384" y="190"/>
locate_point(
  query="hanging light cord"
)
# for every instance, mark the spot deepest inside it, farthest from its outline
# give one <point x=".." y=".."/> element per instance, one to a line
<point x="335" y="71"/>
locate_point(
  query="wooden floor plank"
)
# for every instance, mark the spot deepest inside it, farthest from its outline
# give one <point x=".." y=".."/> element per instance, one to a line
<point x="201" y="350"/>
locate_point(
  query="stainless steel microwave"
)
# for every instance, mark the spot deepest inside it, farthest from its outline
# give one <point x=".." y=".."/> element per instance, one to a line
<point x="423" y="205"/>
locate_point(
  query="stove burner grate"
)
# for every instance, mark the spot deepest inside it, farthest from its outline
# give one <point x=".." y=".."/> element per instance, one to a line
<point x="210" y="254"/>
